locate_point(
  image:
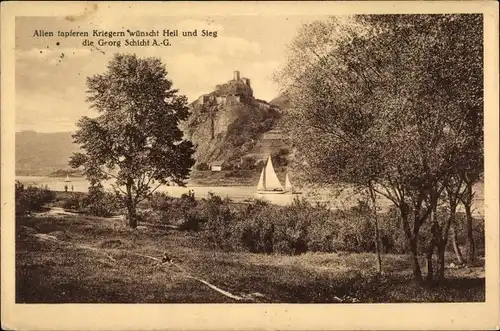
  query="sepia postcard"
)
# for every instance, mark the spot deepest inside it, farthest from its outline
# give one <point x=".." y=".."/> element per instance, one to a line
<point x="250" y="165"/>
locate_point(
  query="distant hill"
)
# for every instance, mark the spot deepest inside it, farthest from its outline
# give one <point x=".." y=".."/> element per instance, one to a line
<point x="40" y="154"/>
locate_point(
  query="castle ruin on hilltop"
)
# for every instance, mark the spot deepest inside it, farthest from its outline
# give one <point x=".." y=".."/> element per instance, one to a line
<point x="220" y="108"/>
<point x="238" y="90"/>
<point x="229" y="122"/>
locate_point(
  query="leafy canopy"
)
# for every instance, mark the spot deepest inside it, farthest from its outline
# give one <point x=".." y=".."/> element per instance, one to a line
<point x="135" y="140"/>
<point x="387" y="98"/>
<point x="393" y="101"/>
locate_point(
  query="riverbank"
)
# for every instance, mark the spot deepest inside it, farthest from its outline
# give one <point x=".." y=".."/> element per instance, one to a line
<point x="223" y="185"/>
<point x="228" y="178"/>
<point x="197" y="178"/>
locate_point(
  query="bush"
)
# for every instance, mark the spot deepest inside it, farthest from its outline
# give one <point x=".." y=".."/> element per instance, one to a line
<point x="255" y="231"/>
<point x="202" y="167"/>
<point x="191" y="213"/>
<point x="231" y="165"/>
<point x="144" y="215"/>
<point x="291" y="232"/>
<point x="190" y="222"/>
<point x="247" y="163"/>
<point x="210" y="207"/>
<point x="160" y="201"/>
<point x="72" y="202"/>
<point x="239" y="141"/>
<point x="247" y="146"/>
<point x="259" y="164"/>
<point x="260" y="227"/>
<point x="356" y="229"/>
<point x="219" y="227"/>
<point x="100" y="203"/>
<point x="280" y="157"/>
<point x="264" y="228"/>
<point x="293" y="229"/>
<point x="184" y="211"/>
<point x="31" y="198"/>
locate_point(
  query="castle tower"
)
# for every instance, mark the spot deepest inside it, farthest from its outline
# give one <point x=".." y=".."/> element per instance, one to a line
<point x="236" y="75"/>
<point x="246" y="81"/>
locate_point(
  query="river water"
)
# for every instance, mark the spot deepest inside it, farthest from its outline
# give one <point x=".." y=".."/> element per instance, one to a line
<point x="235" y="193"/>
<point x="345" y="199"/>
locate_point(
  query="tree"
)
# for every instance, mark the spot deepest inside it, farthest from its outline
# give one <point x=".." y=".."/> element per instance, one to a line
<point x="280" y="157"/>
<point x="471" y="171"/>
<point x="202" y="166"/>
<point x="135" y="140"/>
<point x="31" y="198"/>
<point x="381" y="102"/>
<point x="454" y="72"/>
<point x="325" y="126"/>
<point x="247" y="163"/>
<point x="467" y="199"/>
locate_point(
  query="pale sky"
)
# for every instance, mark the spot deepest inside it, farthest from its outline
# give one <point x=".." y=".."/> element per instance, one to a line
<point x="50" y="88"/>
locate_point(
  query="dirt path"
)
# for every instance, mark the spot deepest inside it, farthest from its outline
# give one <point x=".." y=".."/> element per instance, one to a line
<point x="54" y="211"/>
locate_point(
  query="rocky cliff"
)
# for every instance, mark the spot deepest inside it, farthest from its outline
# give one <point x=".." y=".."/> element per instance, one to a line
<point x="229" y="124"/>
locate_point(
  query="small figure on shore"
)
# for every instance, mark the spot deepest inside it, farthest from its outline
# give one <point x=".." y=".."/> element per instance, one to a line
<point x="65" y="188"/>
<point x="166" y="258"/>
<point x="72" y="188"/>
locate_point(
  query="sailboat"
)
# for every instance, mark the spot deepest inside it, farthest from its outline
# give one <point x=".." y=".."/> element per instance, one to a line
<point x="288" y="184"/>
<point x="268" y="181"/>
<point x="67" y="180"/>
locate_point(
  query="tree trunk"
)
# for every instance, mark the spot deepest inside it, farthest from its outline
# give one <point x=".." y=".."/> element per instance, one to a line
<point x="412" y="241"/>
<point x="441" y="251"/>
<point x="442" y="241"/>
<point x="434" y="241"/>
<point x="417" y="273"/>
<point x="132" y="216"/>
<point x="131" y="207"/>
<point x="430" y="252"/>
<point x="471" y="250"/>
<point x="456" y="248"/>
<point x="377" y="233"/>
<point x="442" y="233"/>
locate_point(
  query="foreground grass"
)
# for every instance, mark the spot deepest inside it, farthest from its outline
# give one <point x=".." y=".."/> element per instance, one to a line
<point x="98" y="260"/>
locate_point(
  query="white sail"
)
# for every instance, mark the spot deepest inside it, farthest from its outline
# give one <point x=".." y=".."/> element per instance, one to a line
<point x="261" y="186"/>
<point x="67" y="179"/>
<point x="288" y="184"/>
<point x="271" y="181"/>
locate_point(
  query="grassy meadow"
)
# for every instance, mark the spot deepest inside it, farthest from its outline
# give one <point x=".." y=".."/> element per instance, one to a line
<point x="66" y="257"/>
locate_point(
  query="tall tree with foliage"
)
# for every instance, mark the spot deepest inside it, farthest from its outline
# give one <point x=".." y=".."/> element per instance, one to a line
<point x="327" y="120"/>
<point x="135" y="140"/>
<point x="381" y="102"/>
<point x="455" y="78"/>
